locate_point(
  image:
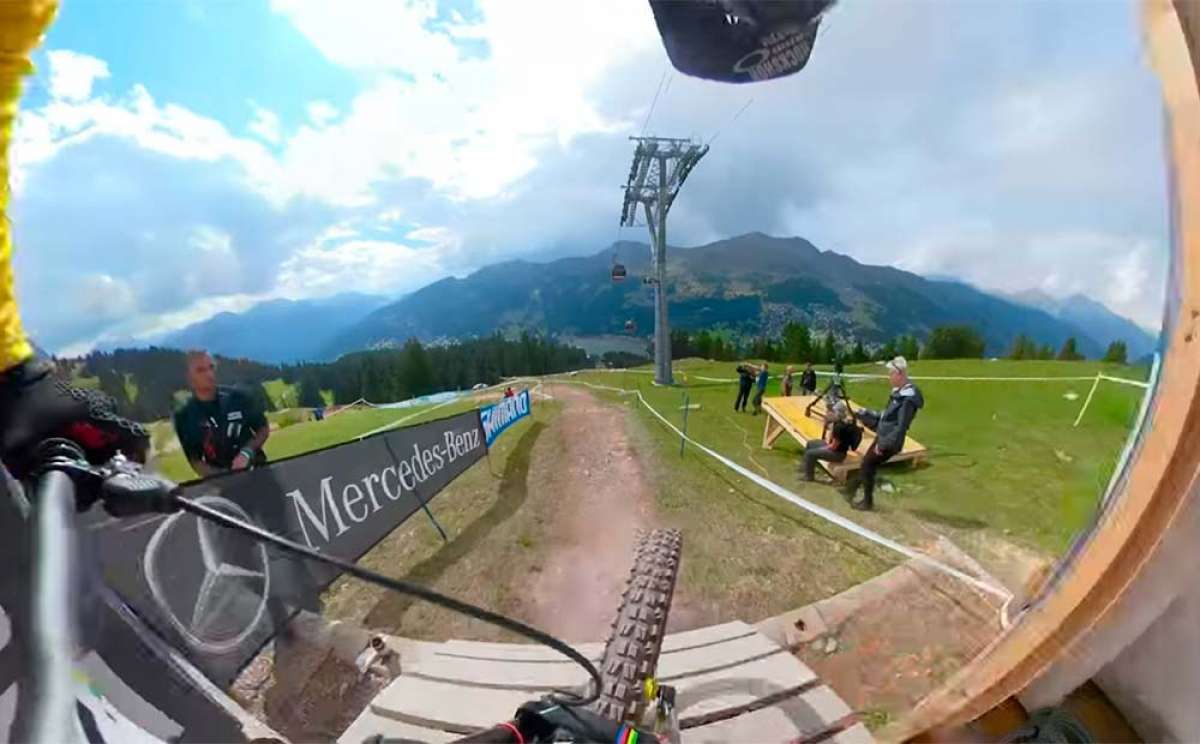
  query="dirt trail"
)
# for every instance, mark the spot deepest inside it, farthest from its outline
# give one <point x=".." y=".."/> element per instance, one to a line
<point x="604" y="499"/>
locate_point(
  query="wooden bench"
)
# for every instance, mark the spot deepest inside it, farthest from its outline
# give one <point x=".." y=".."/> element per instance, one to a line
<point x="787" y="414"/>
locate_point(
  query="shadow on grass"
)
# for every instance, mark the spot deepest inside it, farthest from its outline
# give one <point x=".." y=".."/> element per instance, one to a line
<point x="389" y="611"/>
<point x="950" y="520"/>
<point x="719" y="472"/>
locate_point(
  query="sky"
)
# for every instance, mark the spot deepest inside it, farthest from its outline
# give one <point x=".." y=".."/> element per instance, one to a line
<point x="175" y="160"/>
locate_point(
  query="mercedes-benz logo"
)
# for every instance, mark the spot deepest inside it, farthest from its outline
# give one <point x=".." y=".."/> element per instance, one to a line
<point x="215" y="603"/>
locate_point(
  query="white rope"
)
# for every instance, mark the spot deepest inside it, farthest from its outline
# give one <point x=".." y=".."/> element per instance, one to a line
<point x="1086" y="401"/>
<point x="406" y="419"/>
<point x="812" y="508"/>
<point x="861" y="376"/>
<point x="413" y="415"/>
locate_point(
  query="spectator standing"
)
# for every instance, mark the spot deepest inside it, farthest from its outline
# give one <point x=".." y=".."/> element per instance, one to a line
<point x="844" y="435"/>
<point x="219" y="428"/>
<point x="890" y="426"/>
<point x="761" y="384"/>
<point x="808" y="380"/>
<point x="745" y="382"/>
<point x="834" y="391"/>
<point x="787" y="381"/>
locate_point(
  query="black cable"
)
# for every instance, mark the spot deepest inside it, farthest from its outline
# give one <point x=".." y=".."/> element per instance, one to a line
<point x="415" y="590"/>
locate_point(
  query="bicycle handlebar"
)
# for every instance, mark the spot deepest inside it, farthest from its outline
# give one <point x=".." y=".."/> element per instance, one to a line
<point x="66" y="482"/>
<point x="54" y="632"/>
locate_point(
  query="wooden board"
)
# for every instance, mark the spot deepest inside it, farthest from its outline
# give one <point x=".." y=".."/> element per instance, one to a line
<point x="788" y="414"/>
<point x="730" y="679"/>
<point x="1159" y="480"/>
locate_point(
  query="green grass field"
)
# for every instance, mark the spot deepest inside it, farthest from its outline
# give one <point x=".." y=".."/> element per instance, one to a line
<point x="1005" y="467"/>
<point x="285" y="395"/>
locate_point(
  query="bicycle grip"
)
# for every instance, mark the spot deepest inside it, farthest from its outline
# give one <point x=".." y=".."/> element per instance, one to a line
<point x="498" y="734"/>
<point x="129" y="494"/>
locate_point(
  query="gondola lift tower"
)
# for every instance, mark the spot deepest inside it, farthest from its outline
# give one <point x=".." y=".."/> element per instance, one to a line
<point x="660" y="166"/>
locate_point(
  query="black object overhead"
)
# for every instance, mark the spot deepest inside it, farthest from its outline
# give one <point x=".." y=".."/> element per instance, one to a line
<point x="738" y="41"/>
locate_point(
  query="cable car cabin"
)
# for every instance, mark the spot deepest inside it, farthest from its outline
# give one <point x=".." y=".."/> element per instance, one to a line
<point x="618" y="272"/>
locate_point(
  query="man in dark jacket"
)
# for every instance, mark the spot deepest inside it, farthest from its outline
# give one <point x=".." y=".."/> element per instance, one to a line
<point x="890" y="427"/>
<point x="219" y="428"/>
<point x="745" y="382"/>
<point x="808" y="380"/>
<point x="844" y="435"/>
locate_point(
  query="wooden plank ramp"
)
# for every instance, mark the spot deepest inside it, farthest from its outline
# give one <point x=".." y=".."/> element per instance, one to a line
<point x="787" y="414"/>
<point x="733" y="684"/>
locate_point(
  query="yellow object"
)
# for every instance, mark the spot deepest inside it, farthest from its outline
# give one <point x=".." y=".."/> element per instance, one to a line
<point x="22" y="23"/>
<point x="650" y="688"/>
<point x="787" y="414"/>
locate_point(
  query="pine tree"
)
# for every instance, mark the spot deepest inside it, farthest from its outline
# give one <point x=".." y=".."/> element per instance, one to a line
<point x="310" y="392"/>
<point x="797" y="343"/>
<point x="829" y="349"/>
<point x="953" y="342"/>
<point x="1068" y="352"/>
<point x="417" y="372"/>
<point x="1115" y="353"/>
<point x="907" y="347"/>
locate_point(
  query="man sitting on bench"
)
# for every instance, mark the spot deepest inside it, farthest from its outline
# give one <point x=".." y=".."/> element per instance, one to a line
<point x="890" y="427"/>
<point x="844" y="435"/>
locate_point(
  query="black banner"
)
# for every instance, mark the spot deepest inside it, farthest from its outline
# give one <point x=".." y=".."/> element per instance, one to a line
<point x="219" y="596"/>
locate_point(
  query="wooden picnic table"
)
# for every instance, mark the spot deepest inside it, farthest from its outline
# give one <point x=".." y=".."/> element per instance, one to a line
<point x="787" y="414"/>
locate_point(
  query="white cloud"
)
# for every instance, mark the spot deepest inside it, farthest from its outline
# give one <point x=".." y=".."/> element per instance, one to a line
<point x="321" y="113"/>
<point x="470" y="126"/>
<point x="972" y="151"/>
<point x="373" y="34"/>
<point x="72" y="74"/>
<point x="169" y="129"/>
<point x="1123" y="272"/>
<point x="265" y="123"/>
<point x="369" y="266"/>
<point x="104" y="296"/>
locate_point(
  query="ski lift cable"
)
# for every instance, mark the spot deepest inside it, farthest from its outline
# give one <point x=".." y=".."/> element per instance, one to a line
<point x="653" y="102"/>
<point x="731" y="121"/>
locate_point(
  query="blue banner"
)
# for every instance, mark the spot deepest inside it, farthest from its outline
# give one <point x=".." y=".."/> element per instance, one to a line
<point x="496" y="418"/>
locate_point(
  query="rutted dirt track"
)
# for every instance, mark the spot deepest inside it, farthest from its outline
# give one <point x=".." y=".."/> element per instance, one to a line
<point x="603" y="499"/>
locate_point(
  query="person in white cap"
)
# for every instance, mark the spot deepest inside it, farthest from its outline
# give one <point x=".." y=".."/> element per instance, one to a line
<point x="890" y="427"/>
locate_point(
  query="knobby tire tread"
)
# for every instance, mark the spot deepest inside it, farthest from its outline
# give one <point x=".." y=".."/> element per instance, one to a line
<point x="635" y="641"/>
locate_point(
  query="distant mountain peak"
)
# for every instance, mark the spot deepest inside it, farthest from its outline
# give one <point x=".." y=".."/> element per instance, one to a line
<point x="749" y="284"/>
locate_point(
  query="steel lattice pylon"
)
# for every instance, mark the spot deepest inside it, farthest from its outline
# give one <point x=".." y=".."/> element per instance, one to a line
<point x="660" y="166"/>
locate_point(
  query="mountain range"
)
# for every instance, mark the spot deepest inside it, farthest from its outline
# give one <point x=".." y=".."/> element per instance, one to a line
<point x="751" y="284"/>
<point x="1094" y="319"/>
<point x="277" y="331"/>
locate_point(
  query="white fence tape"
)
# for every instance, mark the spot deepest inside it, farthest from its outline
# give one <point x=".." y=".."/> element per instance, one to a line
<point x="940" y="378"/>
<point x="812" y="508"/>
<point x="457" y="397"/>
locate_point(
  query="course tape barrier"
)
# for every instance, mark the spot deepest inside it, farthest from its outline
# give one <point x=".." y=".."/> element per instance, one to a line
<point x="457" y="397"/>
<point x="863" y="376"/>
<point x="810" y="507"/>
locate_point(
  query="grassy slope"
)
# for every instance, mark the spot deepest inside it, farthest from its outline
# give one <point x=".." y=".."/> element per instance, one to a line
<point x="747" y="555"/>
<point x="496" y="516"/>
<point x="284" y="395"/>
<point x="993" y="470"/>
